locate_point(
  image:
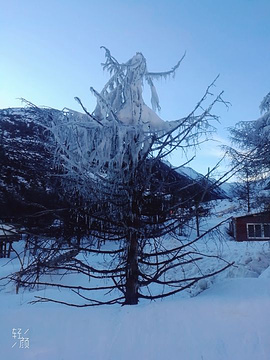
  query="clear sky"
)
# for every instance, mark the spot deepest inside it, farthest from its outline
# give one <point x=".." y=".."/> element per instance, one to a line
<point x="50" y="52"/>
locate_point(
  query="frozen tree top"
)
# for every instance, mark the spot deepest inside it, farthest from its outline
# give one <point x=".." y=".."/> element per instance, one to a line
<point x="265" y="104"/>
<point x="121" y="98"/>
<point x="103" y="149"/>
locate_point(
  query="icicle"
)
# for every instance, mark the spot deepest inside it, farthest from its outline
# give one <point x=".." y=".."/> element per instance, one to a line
<point x="154" y="95"/>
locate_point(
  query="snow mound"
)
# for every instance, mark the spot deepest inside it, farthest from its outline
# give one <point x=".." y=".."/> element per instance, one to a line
<point x="239" y="288"/>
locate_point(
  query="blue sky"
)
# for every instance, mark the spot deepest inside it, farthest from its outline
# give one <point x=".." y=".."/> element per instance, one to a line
<point x="50" y="52"/>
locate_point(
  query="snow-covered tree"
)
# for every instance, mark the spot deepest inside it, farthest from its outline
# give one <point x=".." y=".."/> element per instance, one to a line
<point x="129" y="206"/>
<point x="245" y="187"/>
<point x="251" y="153"/>
<point x="253" y="139"/>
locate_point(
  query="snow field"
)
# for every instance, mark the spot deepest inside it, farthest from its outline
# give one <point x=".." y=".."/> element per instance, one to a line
<point x="229" y="319"/>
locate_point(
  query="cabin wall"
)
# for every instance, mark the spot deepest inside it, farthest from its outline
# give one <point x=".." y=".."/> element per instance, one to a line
<point x="240" y="226"/>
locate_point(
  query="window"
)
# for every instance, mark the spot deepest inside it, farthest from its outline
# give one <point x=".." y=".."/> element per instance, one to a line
<point x="266" y="230"/>
<point x="251" y="231"/>
<point x="258" y="231"/>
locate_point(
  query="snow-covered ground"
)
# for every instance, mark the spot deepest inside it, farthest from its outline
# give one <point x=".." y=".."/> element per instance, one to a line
<point x="229" y="319"/>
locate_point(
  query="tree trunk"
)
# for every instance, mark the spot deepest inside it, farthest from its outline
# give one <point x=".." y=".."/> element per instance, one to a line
<point x="197" y="223"/>
<point x="248" y="194"/>
<point x="197" y="218"/>
<point x="132" y="270"/>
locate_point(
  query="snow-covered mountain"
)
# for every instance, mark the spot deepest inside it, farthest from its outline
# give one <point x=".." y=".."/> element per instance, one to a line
<point x="188" y="171"/>
<point x="225" y="189"/>
<point x="28" y="181"/>
<point x="228" y="188"/>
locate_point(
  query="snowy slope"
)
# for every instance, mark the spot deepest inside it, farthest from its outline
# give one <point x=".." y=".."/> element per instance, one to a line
<point x="27" y="177"/>
<point x="226" y="188"/>
<point x="189" y="172"/>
